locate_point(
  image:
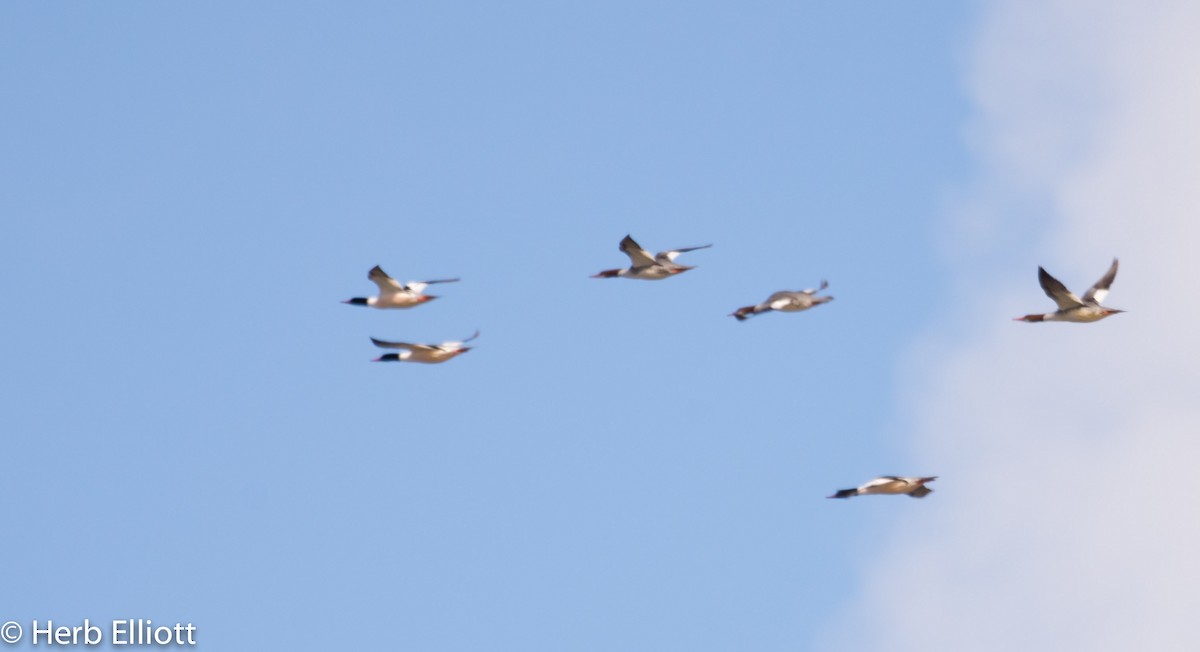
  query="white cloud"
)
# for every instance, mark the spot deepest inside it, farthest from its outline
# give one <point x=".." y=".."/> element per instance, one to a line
<point x="1066" y="516"/>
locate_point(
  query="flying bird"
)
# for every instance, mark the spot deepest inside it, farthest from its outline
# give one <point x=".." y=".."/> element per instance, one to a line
<point x="393" y="294"/>
<point x="785" y="301"/>
<point x="646" y="267"/>
<point x="890" y="484"/>
<point x="1071" y="307"/>
<point x="424" y="353"/>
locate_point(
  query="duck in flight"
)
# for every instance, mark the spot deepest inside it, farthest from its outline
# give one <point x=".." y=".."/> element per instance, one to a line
<point x="393" y="294"/>
<point x="424" y="353"/>
<point x="1071" y="307"/>
<point x="890" y="484"/>
<point x="785" y="301"/>
<point x="646" y="267"/>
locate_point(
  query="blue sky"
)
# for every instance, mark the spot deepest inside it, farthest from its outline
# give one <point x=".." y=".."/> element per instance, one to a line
<point x="194" y="432"/>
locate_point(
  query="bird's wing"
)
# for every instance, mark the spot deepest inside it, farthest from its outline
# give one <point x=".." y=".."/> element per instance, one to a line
<point x="419" y="286"/>
<point x="400" y="345"/>
<point x="1097" y="292"/>
<point x="387" y="284"/>
<point x="640" y="257"/>
<point x="670" y="255"/>
<point x="1057" y="291"/>
<point x="781" y="299"/>
<point x="879" y="482"/>
<point x="810" y="291"/>
<point x="920" y="492"/>
<point x="454" y="346"/>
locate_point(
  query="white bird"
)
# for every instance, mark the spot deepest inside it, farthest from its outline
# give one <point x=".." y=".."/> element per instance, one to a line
<point x="646" y="267"/>
<point x="393" y="294"/>
<point x="424" y="353"/>
<point x="890" y="484"/>
<point x="785" y="301"/>
<point x="1071" y="307"/>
